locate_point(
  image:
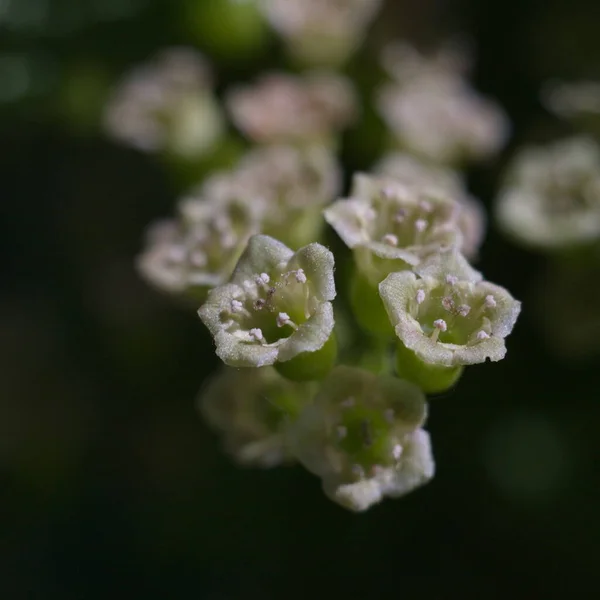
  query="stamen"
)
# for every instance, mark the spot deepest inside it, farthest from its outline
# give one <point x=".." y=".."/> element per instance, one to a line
<point x="420" y="225"/>
<point x="451" y="279"/>
<point x="284" y="319"/>
<point x="448" y="303"/>
<point x="420" y="296"/>
<point x="490" y="301"/>
<point x="397" y="451"/>
<point x="464" y="310"/>
<point x="439" y="325"/>
<point x="236" y="306"/>
<point x="256" y="334"/>
<point x="300" y="276"/>
<point x="482" y="335"/>
<point x="391" y="239"/>
<point x="426" y="206"/>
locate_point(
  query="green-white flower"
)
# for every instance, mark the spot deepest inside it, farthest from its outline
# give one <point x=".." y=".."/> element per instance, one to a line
<point x="362" y="436"/>
<point x="199" y="249"/>
<point x="446" y="317"/>
<point x="251" y="408"/>
<point x="412" y="172"/>
<point x="551" y="197"/>
<point x="276" y="309"/>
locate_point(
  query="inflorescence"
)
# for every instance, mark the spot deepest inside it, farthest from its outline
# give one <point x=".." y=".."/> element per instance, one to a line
<point x="248" y="247"/>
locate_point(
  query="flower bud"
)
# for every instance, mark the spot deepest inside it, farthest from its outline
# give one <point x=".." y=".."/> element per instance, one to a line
<point x="276" y="309"/>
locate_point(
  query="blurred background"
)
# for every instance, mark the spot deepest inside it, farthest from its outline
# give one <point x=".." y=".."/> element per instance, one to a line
<point x="111" y="483"/>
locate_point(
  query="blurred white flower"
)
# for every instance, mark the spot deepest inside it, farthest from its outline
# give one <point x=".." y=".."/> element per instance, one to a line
<point x="286" y="108"/>
<point x="166" y="105"/>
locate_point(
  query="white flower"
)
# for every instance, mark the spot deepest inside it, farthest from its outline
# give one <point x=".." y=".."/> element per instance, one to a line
<point x="288" y="108"/>
<point x="362" y="436"/>
<point x="460" y="320"/>
<point x="551" y="195"/>
<point x="167" y="105"/>
<point x="299" y="284"/>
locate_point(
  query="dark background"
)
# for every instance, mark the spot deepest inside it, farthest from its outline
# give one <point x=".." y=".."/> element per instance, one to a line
<point x="109" y="481"/>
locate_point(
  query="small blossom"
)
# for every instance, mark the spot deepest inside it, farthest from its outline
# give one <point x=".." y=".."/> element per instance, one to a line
<point x="442" y="119"/>
<point x="198" y="250"/>
<point x="321" y="31"/>
<point x="284" y="186"/>
<point x="255" y="337"/>
<point x="367" y="219"/>
<point x="551" y="195"/>
<point x="414" y="173"/>
<point x="251" y="408"/>
<point x="167" y="105"/>
<point x="283" y="108"/>
<point x="464" y="327"/>
<point x="383" y="451"/>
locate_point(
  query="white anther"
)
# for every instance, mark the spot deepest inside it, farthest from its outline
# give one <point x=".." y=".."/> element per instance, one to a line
<point x="263" y="278"/>
<point x="420" y="296"/>
<point x="341" y="432"/>
<point x="490" y="301"/>
<point x="256" y="334"/>
<point x="236" y="306"/>
<point x="420" y="225"/>
<point x="440" y="325"/>
<point x="397" y="451"/>
<point x="464" y="310"/>
<point x="389" y="415"/>
<point x="426" y="206"/>
<point x="300" y="276"/>
<point x="482" y="335"/>
<point x="451" y="279"/>
<point x="448" y="303"/>
<point x="391" y="239"/>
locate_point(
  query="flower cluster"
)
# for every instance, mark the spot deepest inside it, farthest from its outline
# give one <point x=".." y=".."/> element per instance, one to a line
<point x="337" y="386"/>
